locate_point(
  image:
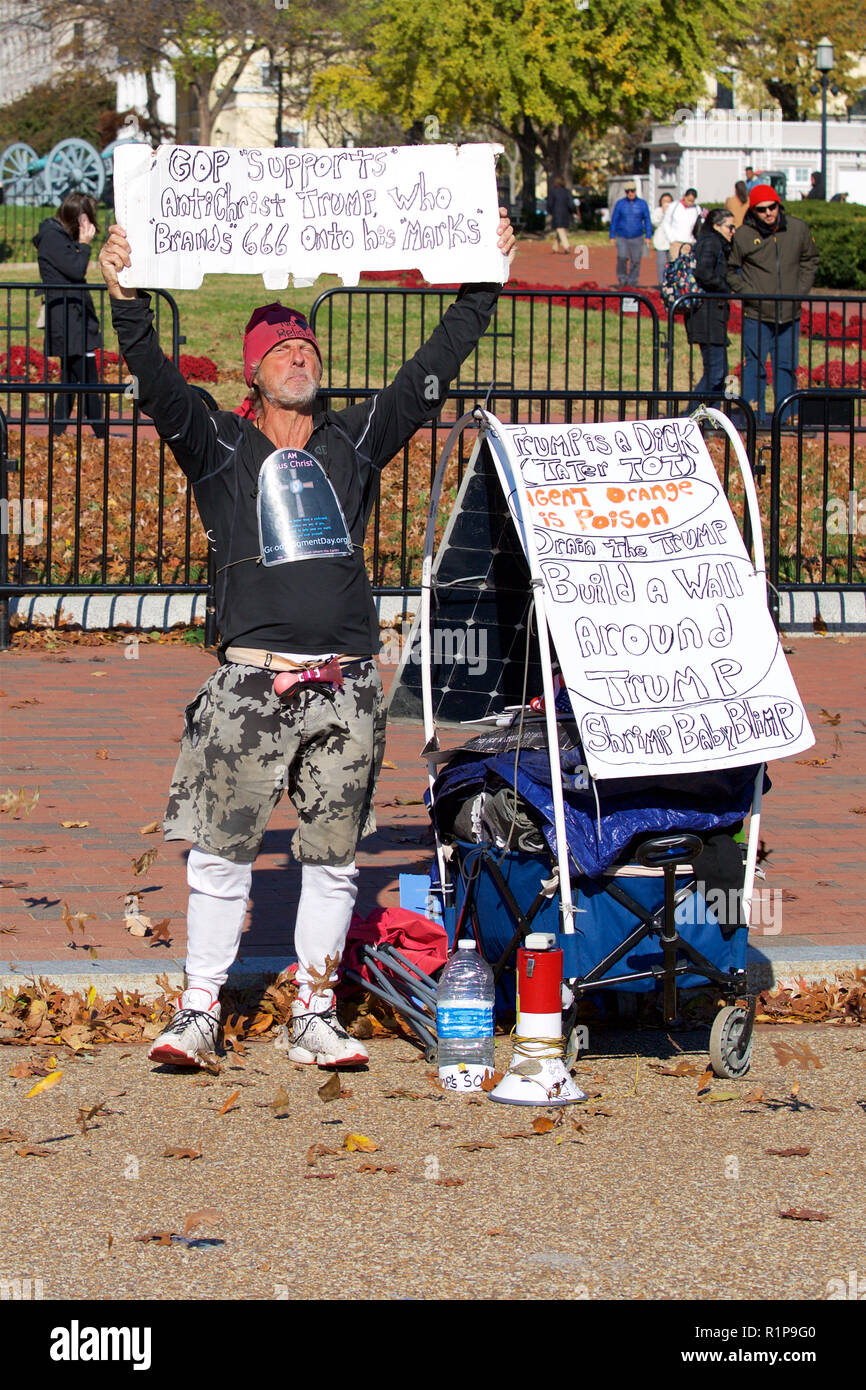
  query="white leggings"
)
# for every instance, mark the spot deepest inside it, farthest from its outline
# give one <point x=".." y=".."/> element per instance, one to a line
<point x="219" y="891"/>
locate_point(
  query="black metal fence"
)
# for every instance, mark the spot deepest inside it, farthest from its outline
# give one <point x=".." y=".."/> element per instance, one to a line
<point x="37" y="322"/>
<point x="825" y="350"/>
<point x="102" y="515"/>
<point x="538" y="340"/>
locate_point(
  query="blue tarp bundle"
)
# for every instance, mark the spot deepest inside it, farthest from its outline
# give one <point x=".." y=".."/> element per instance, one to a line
<point x="599" y="832"/>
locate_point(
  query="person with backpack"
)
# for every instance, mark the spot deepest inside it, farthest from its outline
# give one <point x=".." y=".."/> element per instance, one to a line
<point x="707" y="318"/>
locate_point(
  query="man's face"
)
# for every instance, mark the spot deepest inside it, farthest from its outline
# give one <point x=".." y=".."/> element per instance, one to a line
<point x="289" y="374"/>
<point x="768" y="213"/>
<point x="631" y="192"/>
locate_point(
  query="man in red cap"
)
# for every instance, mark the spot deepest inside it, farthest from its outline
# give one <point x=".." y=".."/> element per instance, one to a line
<point x="284" y="491"/>
<point x="771" y="253"/>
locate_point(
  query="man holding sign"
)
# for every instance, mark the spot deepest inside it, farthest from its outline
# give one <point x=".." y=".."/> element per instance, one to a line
<point x="283" y="490"/>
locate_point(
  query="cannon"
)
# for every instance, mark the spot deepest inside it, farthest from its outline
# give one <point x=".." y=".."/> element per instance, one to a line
<point x="31" y="181"/>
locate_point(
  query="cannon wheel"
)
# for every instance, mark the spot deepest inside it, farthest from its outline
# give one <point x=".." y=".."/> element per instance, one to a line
<point x="73" y="166"/>
<point x="19" y="185"/>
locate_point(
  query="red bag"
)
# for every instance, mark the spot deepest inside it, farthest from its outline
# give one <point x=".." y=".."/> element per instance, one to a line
<point x="421" y="941"/>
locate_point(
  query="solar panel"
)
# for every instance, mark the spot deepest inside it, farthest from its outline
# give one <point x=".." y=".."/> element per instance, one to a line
<point x="480" y="605"/>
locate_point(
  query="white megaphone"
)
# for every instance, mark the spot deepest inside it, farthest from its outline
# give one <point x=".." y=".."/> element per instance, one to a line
<point x="538" y="1074"/>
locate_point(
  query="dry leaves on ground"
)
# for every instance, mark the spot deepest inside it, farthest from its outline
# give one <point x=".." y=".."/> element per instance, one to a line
<point x="804" y="1214"/>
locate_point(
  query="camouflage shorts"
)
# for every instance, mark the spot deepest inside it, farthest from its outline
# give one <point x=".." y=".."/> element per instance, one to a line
<point x="243" y="746"/>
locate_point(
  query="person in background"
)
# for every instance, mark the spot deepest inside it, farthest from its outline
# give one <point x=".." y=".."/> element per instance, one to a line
<point x="752" y="177"/>
<point x="680" y="221"/>
<point x="630" y="228"/>
<point x="71" y="324"/>
<point x="772" y="253"/>
<point x="661" y="241"/>
<point x="839" y="198"/>
<point x="738" y="203"/>
<point x="560" y="205"/>
<point x="817" y="190"/>
<point x="707" y="321"/>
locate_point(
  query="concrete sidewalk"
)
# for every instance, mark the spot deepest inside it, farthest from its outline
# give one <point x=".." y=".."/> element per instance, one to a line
<point x="96" y="734"/>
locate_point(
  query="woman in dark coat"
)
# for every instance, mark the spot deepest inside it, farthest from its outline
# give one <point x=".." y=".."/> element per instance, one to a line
<point x="71" y="324"/>
<point x="707" y="323"/>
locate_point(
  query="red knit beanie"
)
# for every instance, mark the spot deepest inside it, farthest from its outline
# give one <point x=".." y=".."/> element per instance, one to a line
<point x="271" y="324"/>
<point x="763" y="193"/>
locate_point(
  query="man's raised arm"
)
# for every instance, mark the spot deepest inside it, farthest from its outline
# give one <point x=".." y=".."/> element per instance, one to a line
<point x="181" y="417"/>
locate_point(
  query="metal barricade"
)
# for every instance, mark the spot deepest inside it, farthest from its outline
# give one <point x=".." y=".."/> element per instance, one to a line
<point x="96" y="518"/>
<point x="23" y="341"/>
<point x="561" y="340"/>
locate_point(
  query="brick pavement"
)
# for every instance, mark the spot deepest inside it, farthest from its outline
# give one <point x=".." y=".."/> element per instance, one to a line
<point x="92" y="701"/>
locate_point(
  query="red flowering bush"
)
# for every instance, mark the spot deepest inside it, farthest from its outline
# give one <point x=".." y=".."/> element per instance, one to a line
<point x="26" y="364"/>
<point x="198" y="368"/>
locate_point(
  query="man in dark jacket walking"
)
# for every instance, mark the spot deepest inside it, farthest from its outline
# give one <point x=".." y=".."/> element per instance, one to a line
<point x="771" y="253"/>
<point x="283" y="489"/>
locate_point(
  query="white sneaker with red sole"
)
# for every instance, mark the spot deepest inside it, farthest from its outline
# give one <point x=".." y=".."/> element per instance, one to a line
<point x="316" y="1036"/>
<point x="191" y="1035"/>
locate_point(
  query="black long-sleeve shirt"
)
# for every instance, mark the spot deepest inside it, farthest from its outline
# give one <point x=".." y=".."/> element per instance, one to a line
<point x="312" y="605"/>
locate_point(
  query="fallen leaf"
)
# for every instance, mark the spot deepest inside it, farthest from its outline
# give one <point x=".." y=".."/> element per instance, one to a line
<point x="859" y="810"/>
<point x="11" y="1136"/>
<point x="755" y="1095"/>
<point x="706" y="1078"/>
<point x="369" y="1168"/>
<point x="472" y="1146"/>
<point x="44" y="1084"/>
<point x="720" y="1095"/>
<point x="544" y="1124"/>
<point x="331" y="1089"/>
<point x="230" y="1103"/>
<point x="34" y="849"/>
<point x="85" y="1114"/>
<point x="141" y="865"/>
<point x="319" y="1151"/>
<point x="449" y="1182"/>
<point x="359" y="1142"/>
<point x="320" y="1175"/>
<point x="74" y="824"/>
<point x="812" y="762"/>
<point x="182" y="1153"/>
<point x="829" y="718"/>
<point x="804" y="1214"/>
<point x="31" y="1152"/>
<point x="139" y="925"/>
<point x="208" y="1216"/>
<point x="158" y="1237"/>
<point x="798" y="1053"/>
<point x="159" y="932"/>
<point x="75" y="919"/>
<point x="490" y="1080"/>
<point x="799" y="1152"/>
<point x="387" y="763"/>
<point x="102" y="754"/>
<point x="152" y="828"/>
<point x="280" y="1102"/>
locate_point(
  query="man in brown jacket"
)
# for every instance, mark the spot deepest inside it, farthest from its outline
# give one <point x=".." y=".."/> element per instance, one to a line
<point x="771" y="253"/>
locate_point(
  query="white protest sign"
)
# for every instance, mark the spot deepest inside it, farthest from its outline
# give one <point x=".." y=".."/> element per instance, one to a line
<point x="189" y="210"/>
<point x="659" y="621"/>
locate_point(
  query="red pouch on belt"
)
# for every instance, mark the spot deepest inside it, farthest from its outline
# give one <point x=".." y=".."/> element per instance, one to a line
<point x="330" y="674"/>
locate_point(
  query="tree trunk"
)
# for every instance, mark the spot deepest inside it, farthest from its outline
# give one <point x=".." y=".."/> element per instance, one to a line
<point x="785" y="93"/>
<point x="156" y="127"/>
<point x="526" y="142"/>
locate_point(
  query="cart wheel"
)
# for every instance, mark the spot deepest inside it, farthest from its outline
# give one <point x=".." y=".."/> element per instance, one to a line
<point x="726" y="1059"/>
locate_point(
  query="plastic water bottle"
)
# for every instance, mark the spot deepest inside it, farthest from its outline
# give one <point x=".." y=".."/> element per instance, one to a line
<point x="464" y="1020"/>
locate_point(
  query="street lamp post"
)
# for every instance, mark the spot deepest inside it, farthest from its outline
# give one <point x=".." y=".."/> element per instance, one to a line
<point x="824" y="61"/>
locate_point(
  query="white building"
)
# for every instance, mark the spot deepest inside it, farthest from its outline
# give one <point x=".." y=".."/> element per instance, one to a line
<point x="709" y="151"/>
